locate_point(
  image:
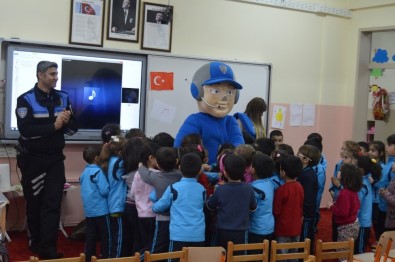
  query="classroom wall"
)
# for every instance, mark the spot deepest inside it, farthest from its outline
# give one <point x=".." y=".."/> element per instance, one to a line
<point x="314" y="57"/>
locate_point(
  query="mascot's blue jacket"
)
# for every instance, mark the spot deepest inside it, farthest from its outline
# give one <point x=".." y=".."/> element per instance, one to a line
<point x="214" y="132"/>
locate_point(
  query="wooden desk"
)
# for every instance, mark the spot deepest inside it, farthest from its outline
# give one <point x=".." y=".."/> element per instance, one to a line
<point x="3" y="202"/>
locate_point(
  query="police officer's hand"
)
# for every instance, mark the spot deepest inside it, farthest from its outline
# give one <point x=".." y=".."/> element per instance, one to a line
<point x="63" y="118"/>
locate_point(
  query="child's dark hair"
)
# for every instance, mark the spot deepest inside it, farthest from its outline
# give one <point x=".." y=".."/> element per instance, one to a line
<point x="245" y="151"/>
<point x="164" y="139"/>
<point x="364" y="145"/>
<point x="113" y="147"/>
<point x="292" y="166"/>
<point x="225" y="148"/>
<point x="191" y="139"/>
<point x="264" y="145"/>
<point x="190" y="165"/>
<point x="314" y="142"/>
<point x="131" y="154"/>
<point x="135" y="132"/>
<point x="263" y="165"/>
<point x="234" y="166"/>
<point x="350" y="177"/>
<point x="197" y="149"/>
<point x="149" y="148"/>
<point x="369" y="166"/>
<point x="312" y="153"/>
<point x="108" y="131"/>
<point x="90" y="153"/>
<point x="380" y="147"/>
<point x="166" y="158"/>
<point x="275" y="133"/>
<point x="391" y="139"/>
<point x="277" y="155"/>
<point x="287" y="148"/>
<point x="315" y="135"/>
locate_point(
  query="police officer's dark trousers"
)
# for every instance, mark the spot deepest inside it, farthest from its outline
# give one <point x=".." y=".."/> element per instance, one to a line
<point x="43" y="178"/>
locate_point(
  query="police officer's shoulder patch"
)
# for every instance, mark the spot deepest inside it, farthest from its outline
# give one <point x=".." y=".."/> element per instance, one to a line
<point x="22" y="112"/>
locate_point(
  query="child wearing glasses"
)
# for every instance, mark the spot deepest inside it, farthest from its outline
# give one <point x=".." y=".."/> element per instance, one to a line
<point x="310" y="156"/>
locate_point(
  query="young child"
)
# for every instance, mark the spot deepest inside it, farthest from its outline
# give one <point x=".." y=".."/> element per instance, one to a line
<point x="377" y="152"/>
<point x="368" y="169"/>
<point x="288" y="202"/>
<point x="346" y="207"/>
<point x="276" y="179"/>
<point x="131" y="155"/>
<point x="320" y="169"/>
<point x="364" y="147"/>
<point x="166" y="159"/>
<point x="387" y="173"/>
<point x="264" y="145"/>
<point x="94" y="192"/>
<point x="262" y="220"/>
<point x="140" y="192"/>
<point x="247" y="152"/>
<point x="112" y="165"/>
<point x="389" y="195"/>
<point x="185" y="200"/>
<point x="234" y="201"/>
<point x="310" y="156"/>
<point x="277" y="137"/>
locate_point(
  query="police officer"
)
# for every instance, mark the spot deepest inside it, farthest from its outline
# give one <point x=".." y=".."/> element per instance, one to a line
<point x="44" y="115"/>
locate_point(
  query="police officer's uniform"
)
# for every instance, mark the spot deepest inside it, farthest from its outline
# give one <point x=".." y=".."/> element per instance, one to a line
<point x="40" y="160"/>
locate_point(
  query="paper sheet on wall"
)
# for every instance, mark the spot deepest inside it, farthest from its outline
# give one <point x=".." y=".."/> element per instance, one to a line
<point x="278" y="116"/>
<point x="295" y="114"/>
<point x="163" y="112"/>
<point x="308" y="115"/>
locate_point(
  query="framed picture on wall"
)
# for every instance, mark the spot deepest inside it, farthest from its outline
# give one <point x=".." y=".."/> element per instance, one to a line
<point x="123" y="20"/>
<point x="157" y="27"/>
<point x="86" y="24"/>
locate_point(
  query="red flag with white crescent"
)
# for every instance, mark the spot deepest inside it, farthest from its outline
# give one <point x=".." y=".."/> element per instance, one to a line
<point x="161" y="80"/>
<point x="87" y="9"/>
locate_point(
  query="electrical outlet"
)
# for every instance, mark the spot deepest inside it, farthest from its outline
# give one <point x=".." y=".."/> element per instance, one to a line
<point x="7" y="151"/>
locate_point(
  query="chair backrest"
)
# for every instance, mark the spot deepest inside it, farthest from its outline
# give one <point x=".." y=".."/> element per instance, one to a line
<point x="263" y="249"/>
<point x="302" y="250"/>
<point x="384" y="238"/>
<point x="377" y="254"/>
<point x="182" y="255"/>
<point x="199" y="254"/>
<point x="334" y="250"/>
<point x="135" y="258"/>
<point x="81" y="258"/>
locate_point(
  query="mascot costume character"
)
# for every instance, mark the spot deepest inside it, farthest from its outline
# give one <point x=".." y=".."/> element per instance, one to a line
<point x="216" y="91"/>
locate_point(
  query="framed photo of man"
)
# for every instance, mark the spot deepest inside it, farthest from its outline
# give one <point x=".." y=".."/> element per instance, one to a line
<point x="123" y="19"/>
<point x="86" y="25"/>
<point x="157" y="27"/>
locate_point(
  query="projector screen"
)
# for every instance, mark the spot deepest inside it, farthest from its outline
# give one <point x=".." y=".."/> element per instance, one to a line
<point x="103" y="86"/>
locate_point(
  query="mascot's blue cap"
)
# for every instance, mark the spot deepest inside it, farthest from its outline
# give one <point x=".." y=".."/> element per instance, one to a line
<point x="214" y="73"/>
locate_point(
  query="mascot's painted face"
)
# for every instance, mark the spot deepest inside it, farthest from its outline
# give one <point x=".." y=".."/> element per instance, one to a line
<point x="218" y="99"/>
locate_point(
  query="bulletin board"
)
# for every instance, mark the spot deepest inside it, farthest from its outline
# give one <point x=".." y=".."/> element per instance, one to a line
<point x="166" y="110"/>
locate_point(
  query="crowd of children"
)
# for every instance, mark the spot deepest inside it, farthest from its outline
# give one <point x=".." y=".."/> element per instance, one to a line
<point x="141" y="194"/>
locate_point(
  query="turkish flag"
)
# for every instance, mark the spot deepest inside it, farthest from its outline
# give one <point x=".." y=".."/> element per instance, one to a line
<point x="87" y="9"/>
<point x="161" y="80"/>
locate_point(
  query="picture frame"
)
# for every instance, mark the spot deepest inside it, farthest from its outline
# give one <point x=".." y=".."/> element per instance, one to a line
<point x="123" y="20"/>
<point x="157" y="27"/>
<point x="86" y="22"/>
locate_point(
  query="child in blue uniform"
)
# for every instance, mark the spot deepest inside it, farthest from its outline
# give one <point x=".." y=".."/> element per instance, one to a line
<point x="262" y="220"/>
<point x="185" y="200"/>
<point x="112" y="165"/>
<point x="94" y="193"/>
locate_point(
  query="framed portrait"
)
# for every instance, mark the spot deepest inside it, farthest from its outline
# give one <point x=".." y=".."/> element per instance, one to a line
<point x="157" y="27"/>
<point x="86" y="24"/>
<point x="123" y="20"/>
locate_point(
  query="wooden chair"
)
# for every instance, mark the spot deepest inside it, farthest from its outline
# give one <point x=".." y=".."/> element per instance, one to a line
<point x="303" y="254"/>
<point x="135" y="258"/>
<point x="262" y="247"/>
<point x="182" y="255"/>
<point x="334" y="250"/>
<point x="386" y="240"/>
<point x="81" y="258"/>
<point x="207" y="254"/>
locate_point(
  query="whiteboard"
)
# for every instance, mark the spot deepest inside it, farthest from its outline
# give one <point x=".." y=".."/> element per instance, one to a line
<point x="167" y="110"/>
